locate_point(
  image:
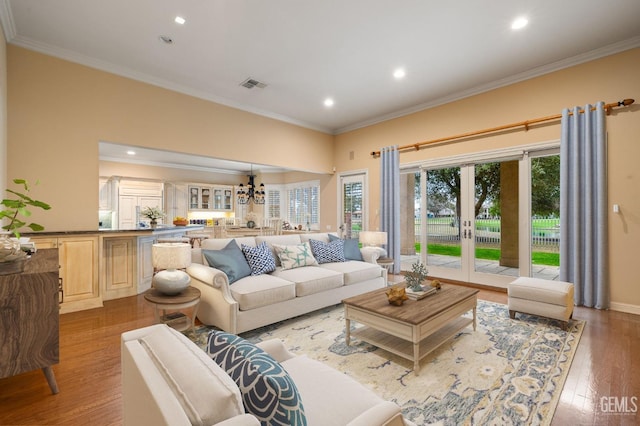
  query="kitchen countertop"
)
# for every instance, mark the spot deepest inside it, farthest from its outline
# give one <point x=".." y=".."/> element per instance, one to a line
<point x="107" y="232"/>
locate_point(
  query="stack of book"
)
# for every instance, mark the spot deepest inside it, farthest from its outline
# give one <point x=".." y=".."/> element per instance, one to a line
<point x="417" y="295"/>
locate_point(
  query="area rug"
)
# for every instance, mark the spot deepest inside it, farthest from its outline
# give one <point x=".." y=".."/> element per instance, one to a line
<point x="506" y="372"/>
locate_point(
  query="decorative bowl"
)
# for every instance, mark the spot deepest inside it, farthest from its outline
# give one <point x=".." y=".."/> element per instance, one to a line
<point x="181" y="222"/>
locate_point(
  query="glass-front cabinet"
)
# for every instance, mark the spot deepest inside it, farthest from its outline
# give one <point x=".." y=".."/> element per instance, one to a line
<point x="205" y="198"/>
<point x="223" y="198"/>
<point x="218" y="197"/>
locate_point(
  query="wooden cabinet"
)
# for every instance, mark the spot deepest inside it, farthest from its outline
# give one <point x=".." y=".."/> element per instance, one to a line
<point x="78" y="261"/>
<point x="119" y="273"/>
<point x="176" y="200"/>
<point x="133" y="197"/>
<point x="129" y="207"/>
<point x="29" y="318"/>
<point x="145" y="264"/>
<point x="105" y="194"/>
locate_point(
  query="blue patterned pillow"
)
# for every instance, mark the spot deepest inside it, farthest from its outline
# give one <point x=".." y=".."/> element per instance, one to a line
<point x="260" y="258"/>
<point x="268" y="392"/>
<point x="328" y="252"/>
<point x="351" y="248"/>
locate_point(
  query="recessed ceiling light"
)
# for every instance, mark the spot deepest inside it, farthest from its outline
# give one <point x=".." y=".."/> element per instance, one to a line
<point x="519" y="23"/>
<point x="399" y="73"/>
<point x="328" y="102"/>
<point x="180" y="20"/>
<point x="131" y="152"/>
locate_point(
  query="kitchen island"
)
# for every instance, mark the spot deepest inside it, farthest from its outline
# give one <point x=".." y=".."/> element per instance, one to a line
<point x="102" y="265"/>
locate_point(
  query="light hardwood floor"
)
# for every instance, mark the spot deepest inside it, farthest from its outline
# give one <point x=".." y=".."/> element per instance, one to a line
<point x="607" y="365"/>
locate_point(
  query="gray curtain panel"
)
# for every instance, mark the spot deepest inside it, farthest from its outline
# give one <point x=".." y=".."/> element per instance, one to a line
<point x="583" y="205"/>
<point x="390" y="202"/>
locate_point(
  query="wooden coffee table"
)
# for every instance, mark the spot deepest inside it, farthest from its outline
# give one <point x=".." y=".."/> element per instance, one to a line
<point x="414" y="329"/>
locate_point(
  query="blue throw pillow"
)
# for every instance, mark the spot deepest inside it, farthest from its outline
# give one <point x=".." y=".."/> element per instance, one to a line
<point x="268" y="392"/>
<point x="328" y="252"/>
<point x="229" y="260"/>
<point x="351" y="248"/>
<point x="260" y="258"/>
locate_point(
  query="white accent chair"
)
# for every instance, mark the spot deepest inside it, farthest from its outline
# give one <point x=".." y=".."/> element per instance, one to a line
<point x="168" y="380"/>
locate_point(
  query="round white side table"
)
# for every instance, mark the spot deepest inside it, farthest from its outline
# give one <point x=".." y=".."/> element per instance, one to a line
<point x="171" y="307"/>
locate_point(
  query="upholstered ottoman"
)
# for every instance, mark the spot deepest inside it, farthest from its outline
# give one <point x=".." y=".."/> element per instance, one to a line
<point x="552" y="299"/>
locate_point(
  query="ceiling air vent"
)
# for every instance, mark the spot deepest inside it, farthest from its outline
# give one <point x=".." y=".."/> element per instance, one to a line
<point x="250" y="83"/>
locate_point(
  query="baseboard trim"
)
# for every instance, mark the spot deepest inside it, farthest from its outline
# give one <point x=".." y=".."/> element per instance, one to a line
<point x="625" y="307"/>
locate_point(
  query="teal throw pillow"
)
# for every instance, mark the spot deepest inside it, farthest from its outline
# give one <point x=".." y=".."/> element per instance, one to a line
<point x="260" y="258"/>
<point x="328" y="252"/>
<point x="351" y="248"/>
<point x="229" y="260"/>
<point x="268" y="392"/>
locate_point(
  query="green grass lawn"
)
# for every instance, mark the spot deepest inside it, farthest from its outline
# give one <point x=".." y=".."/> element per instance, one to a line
<point x="538" y="258"/>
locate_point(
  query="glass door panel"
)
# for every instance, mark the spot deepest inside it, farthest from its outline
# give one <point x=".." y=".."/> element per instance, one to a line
<point x="410" y="218"/>
<point x="442" y="222"/>
<point x="545" y="217"/>
<point x="496" y="217"/>
<point x="352" y="201"/>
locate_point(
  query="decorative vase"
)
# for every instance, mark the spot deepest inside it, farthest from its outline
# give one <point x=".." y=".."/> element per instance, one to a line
<point x="251" y="224"/>
<point x="12" y="257"/>
<point x="153" y="223"/>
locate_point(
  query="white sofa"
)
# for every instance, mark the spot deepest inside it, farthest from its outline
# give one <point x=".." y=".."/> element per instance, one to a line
<point x="256" y="301"/>
<point x="168" y="380"/>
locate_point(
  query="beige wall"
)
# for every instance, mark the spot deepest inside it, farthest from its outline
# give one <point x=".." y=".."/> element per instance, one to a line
<point x="58" y="111"/>
<point x="609" y="79"/>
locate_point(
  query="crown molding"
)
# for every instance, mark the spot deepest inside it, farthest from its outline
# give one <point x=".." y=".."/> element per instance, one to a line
<point x="611" y="49"/>
<point x="6" y="20"/>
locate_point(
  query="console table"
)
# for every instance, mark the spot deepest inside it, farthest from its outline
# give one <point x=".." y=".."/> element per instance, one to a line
<point x="29" y="318"/>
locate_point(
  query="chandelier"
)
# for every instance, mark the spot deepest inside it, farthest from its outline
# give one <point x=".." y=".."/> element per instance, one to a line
<point x="251" y="194"/>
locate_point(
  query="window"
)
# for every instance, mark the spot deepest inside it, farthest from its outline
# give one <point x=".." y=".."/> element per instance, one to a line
<point x="298" y="203"/>
<point x="273" y="207"/>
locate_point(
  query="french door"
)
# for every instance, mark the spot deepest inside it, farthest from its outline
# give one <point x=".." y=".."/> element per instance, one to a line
<point x="473" y="221"/>
<point x="352" y="204"/>
<point x="481" y="221"/>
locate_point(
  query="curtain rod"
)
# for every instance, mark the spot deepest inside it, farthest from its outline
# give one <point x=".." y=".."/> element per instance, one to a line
<point x="525" y="124"/>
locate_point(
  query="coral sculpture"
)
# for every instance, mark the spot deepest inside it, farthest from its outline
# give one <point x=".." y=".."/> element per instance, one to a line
<point x="416" y="276"/>
<point x="396" y="295"/>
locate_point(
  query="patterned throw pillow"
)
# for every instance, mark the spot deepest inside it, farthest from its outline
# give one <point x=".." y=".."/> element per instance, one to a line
<point x="268" y="392"/>
<point x="260" y="258"/>
<point x="229" y="260"/>
<point x="351" y="248"/>
<point x="328" y="252"/>
<point x="295" y="256"/>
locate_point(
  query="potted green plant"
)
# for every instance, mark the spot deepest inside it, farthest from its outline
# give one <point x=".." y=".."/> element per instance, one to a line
<point x="14" y="209"/>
